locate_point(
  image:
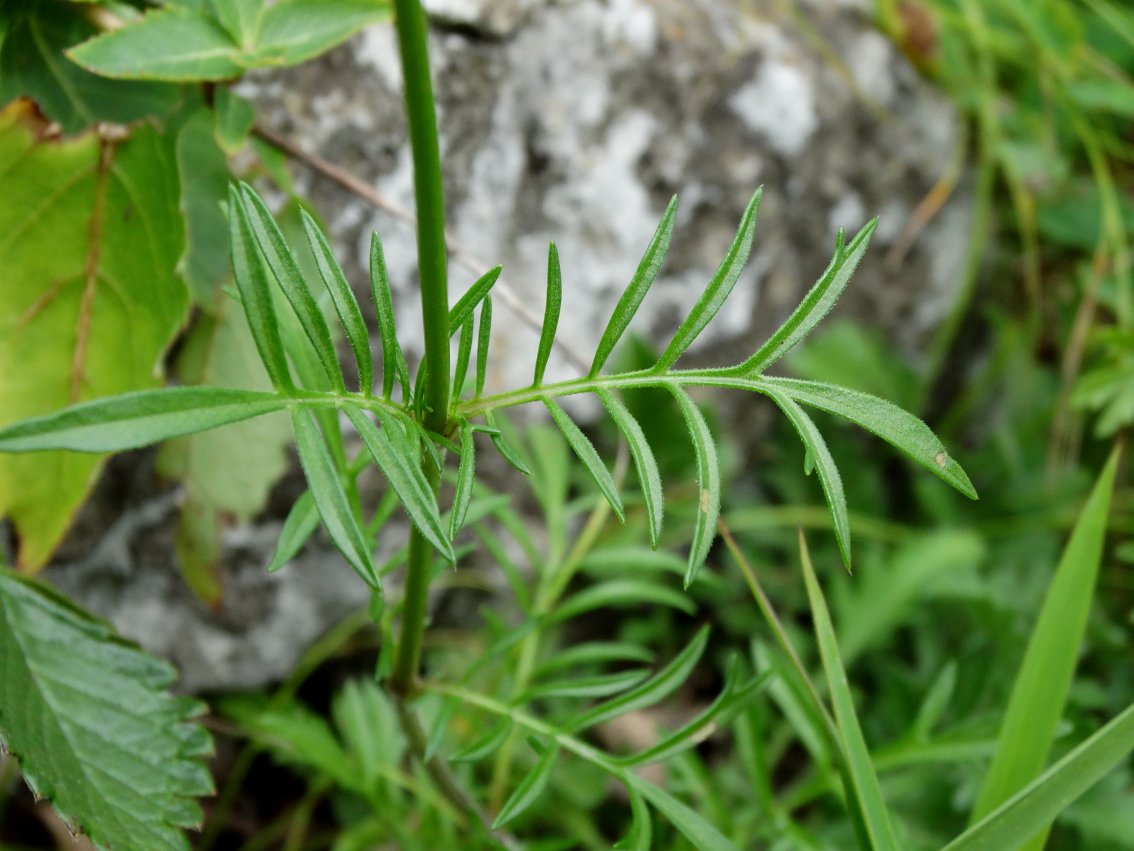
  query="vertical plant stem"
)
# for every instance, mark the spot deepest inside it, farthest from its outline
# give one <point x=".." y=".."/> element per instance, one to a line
<point x="432" y="261"/>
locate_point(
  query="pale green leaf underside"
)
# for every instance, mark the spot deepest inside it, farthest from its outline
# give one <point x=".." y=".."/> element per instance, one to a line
<point x="93" y="727"/>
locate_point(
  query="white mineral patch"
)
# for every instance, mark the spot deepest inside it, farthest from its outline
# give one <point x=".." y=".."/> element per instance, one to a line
<point x="377" y="47"/>
<point x="779" y="105"/>
<point x="871" y="61"/>
<point x="632" y="23"/>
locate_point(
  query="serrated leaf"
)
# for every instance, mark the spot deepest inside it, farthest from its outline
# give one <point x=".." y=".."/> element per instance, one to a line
<point x="636" y="290"/>
<point x="899" y="428"/>
<point x="89" y="242"/>
<point x="483" y="338"/>
<point x="252" y="277"/>
<point x="30" y="66"/>
<point x="403" y="472"/>
<point x="641" y="830"/>
<point x="529" y="789"/>
<point x="285" y="269"/>
<point x="815" y="305"/>
<point x="95" y="731"/>
<point x="655" y="689"/>
<point x="393" y="359"/>
<point x="331" y="498"/>
<point x="1043" y="681"/>
<point x="708" y="483"/>
<point x="466" y="474"/>
<point x="644" y="462"/>
<point x="822" y="461"/>
<point x="585" y="450"/>
<point x="486" y="745"/>
<point x="346" y="305"/>
<point x="1033" y="809"/>
<point x="859" y="767"/>
<point x="137" y="419"/>
<point x="718" y="289"/>
<point x="476" y="293"/>
<point x="551" y="307"/>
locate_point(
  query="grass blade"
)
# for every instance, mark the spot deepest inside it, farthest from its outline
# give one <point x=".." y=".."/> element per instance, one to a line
<point x="620" y="592"/>
<point x="393" y="359"/>
<point x="529" y="789"/>
<point x="285" y="269"/>
<point x="637" y="288"/>
<point x="331" y="498"/>
<point x="550" y="313"/>
<point x="1044" y="679"/>
<point x="582" y="447"/>
<point x="718" y="288"/>
<point x="658" y="687"/>
<point x="132" y="420"/>
<point x="346" y="305"/>
<point x="599" y="685"/>
<point x="860" y="770"/>
<point x="466" y="473"/>
<point x="464" y="354"/>
<point x="483" y="338"/>
<point x="815" y="305"/>
<point x="1032" y="810"/>
<point x="647" y="466"/>
<point x="467" y="303"/>
<point x="708" y="483"/>
<point x="399" y="464"/>
<point x="824" y="464"/>
<point x="899" y="428"/>
<point x="692" y="824"/>
<point x="255" y="293"/>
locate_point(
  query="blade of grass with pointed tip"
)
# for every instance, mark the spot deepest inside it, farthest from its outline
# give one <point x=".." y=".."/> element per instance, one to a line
<point x="285" y="269"/>
<point x="503" y="447"/>
<point x="529" y="789"/>
<point x="483" y="338"/>
<point x="393" y="359"/>
<point x="708" y="483"/>
<point x="815" y="305"/>
<point x="824" y="464"/>
<point x="899" y="428"/>
<point x="860" y="770"/>
<point x="641" y="829"/>
<point x="718" y="288"/>
<point x="688" y="821"/>
<point x="346" y="305"/>
<point x="585" y="450"/>
<point x="657" y="688"/>
<point x="550" y="313"/>
<point x="647" y="466"/>
<point x="1033" y="809"/>
<point x="466" y="473"/>
<point x="331" y="498"/>
<point x="251" y="273"/>
<point x="636" y="290"/>
<point x="1045" y="675"/>
<point x="141" y="418"/>
<point x="467" y="303"/>
<point x="464" y="354"/>
<point x="402" y="471"/>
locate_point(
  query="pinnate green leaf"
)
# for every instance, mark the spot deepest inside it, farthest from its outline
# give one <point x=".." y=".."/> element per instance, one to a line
<point x="636" y="290"/>
<point x="718" y="289"/>
<point x="708" y="483"/>
<point x="550" y="313"/>
<point x="815" y="305"/>
<point x="95" y="731"/>
<point x="647" y="466"/>
<point x="346" y="305"/>
<point x="331" y="498"/>
<point x="529" y="789"/>
<point x="585" y="450"/>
